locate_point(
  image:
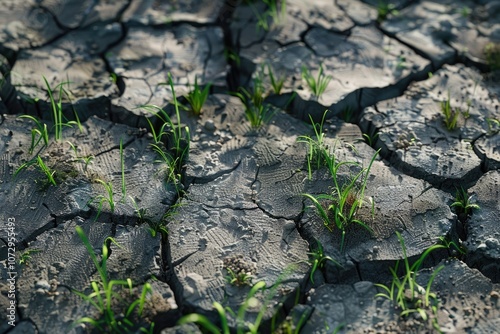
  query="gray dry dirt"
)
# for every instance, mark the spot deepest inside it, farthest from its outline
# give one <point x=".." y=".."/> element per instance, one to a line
<point x="241" y="200"/>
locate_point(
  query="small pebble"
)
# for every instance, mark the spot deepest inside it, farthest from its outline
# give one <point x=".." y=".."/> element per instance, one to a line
<point x="209" y="125"/>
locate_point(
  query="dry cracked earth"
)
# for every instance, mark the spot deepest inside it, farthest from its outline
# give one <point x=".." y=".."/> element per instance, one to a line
<point x="240" y="198"/>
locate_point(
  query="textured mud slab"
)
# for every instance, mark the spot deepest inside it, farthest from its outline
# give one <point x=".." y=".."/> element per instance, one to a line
<point x="240" y="203"/>
<point x="470" y="305"/>
<point x="412" y="132"/>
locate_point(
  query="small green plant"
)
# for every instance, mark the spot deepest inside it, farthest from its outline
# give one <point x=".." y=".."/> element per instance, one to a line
<point x="154" y="227"/>
<point x="401" y="64"/>
<point x="319" y="84"/>
<point x="85" y="159"/>
<point x="232" y="56"/>
<point x="177" y="138"/>
<point x="197" y="96"/>
<point x="318" y="260"/>
<point x="26" y="256"/>
<point x="108" y="295"/>
<point x="101" y="199"/>
<point x="172" y="163"/>
<point x="339" y="208"/>
<point x="493" y="126"/>
<point x="276" y="82"/>
<point x="38" y="133"/>
<point x="276" y="11"/>
<point x="240" y="272"/>
<point x="492" y="53"/>
<point x="384" y="9"/>
<point x="450" y="115"/>
<point x="370" y="140"/>
<point x="242" y="325"/>
<point x="317" y="150"/>
<point x="42" y="166"/>
<point x="464" y="11"/>
<point x="406" y="293"/>
<point x="463" y="202"/>
<point x="46" y="170"/>
<point x="57" y="109"/>
<point x="256" y="111"/>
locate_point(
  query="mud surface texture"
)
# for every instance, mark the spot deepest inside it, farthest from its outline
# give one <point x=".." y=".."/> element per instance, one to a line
<point x="124" y="208"/>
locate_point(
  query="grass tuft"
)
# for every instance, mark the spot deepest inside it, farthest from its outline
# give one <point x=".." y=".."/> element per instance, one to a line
<point x="406" y="293"/>
<point x="450" y="115"/>
<point x="108" y="295"/>
<point x="197" y="97"/>
<point x="319" y="84"/>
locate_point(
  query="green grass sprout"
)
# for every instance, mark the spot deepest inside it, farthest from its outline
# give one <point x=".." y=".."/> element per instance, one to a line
<point x="317" y="151"/>
<point x="338" y="208"/>
<point x="197" y="96"/>
<point x="101" y="199"/>
<point x="319" y="84"/>
<point x="450" y="115"/>
<point x="107" y="293"/>
<point x="38" y="133"/>
<point x="463" y="202"/>
<point x="276" y="82"/>
<point x="318" y="260"/>
<point x="406" y="293"/>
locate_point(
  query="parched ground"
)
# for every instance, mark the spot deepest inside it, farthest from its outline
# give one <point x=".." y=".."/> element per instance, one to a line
<point x="238" y="203"/>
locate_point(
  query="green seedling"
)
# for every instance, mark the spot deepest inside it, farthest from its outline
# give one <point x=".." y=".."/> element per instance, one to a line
<point x="101" y="199"/>
<point x="212" y="328"/>
<point x="317" y="150"/>
<point x="370" y="140"/>
<point x="256" y="112"/>
<point x="492" y="53"/>
<point x="172" y="163"/>
<point x="384" y="9"/>
<point x="406" y="293"/>
<point x="154" y="228"/>
<point x="238" y="279"/>
<point x="318" y="260"/>
<point x="463" y="202"/>
<point x="177" y="147"/>
<point x="276" y="82"/>
<point x="464" y="11"/>
<point x="239" y="271"/>
<point x="232" y="56"/>
<point x="57" y="109"/>
<point x="275" y="12"/>
<point x="319" y="84"/>
<point x="243" y="326"/>
<point x="26" y="256"/>
<point x="107" y="296"/>
<point x="42" y="166"/>
<point x="197" y="97"/>
<point x="122" y="167"/>
<point x="450" y="115"/>
<point x="85" y="159"/>
<point x="47" y="171"/>
<point x="338" y="208"/>
<point x="401" y="64"/>
<point x="493" y="126"/>
<point x="38" y="133"/>
<point x="448" y="244"/>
